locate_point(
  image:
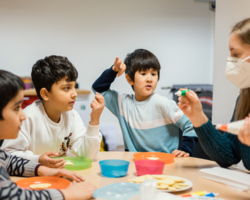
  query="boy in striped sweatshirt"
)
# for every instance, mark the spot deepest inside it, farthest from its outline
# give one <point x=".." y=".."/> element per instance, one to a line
<point x="149" y="122"/>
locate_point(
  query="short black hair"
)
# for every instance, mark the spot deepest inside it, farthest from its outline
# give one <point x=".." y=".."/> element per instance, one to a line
<point x="10" y="85"/>
<point x="47" y="71"/>
<point x="141" y="60"/>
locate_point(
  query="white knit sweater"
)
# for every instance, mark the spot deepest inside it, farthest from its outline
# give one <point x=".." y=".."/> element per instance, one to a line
<point x="39" y="135"/>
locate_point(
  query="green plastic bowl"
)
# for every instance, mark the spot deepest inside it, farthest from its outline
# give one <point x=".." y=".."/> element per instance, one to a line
<point x="80" y="163"/>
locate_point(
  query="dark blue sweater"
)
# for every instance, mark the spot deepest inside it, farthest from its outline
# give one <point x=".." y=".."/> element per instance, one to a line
<point x="225" y="149"/>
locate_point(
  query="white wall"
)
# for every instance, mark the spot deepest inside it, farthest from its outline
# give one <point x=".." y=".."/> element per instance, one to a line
<point x="228" y="13"/>
<point x="92" y="33"/>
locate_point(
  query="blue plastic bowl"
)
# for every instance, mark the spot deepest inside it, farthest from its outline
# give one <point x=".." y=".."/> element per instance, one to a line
<point x="114" y="168"/>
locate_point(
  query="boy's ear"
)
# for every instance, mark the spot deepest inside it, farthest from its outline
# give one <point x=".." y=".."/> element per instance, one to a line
<point x="130" y="81"/>
<point x="44" y="94"/>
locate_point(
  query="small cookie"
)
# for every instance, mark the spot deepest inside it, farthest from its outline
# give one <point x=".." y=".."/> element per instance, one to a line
<point x="172" y="189"/>
<point x="68" y="163"/>
<point x="164" y="186"/>
<point x="165" y="182"/>
<point x="178" y="180"/>
<point x="182" y="184"/>
<point x="160" y="177"/>
<point x="148" y="177"/>
<point x="139" y="180"/>
<point x="152" y="158"/>
<point x="177" y="186"/>
<point x="40" y="186"/>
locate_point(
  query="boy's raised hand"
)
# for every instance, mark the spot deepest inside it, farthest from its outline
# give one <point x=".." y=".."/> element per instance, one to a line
<point x="119" y="67"/>
<point x="192" y="108"/>
<point x="97" y="106"/>
<point x="179" y="153"/>
<point x="47" y="161"/>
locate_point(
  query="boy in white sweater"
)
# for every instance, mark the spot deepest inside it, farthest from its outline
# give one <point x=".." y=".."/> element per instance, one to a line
<point x="52" y="126"/>
<point x="11" y="118"/>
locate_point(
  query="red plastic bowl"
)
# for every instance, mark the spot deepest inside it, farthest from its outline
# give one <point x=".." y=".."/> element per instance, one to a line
<point x="144" y="167"/>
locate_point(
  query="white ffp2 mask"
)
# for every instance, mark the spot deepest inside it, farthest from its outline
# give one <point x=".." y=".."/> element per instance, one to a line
<point x="238" y="72"/>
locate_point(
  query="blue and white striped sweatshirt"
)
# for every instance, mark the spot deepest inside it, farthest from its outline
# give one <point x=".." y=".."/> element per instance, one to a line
<point x="150" y="125"/>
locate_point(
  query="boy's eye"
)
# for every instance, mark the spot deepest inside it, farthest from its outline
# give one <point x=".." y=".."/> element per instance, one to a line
<point x="153" y="74"/>
<point x="17" y="108"/>
<point x="143" y="73"/>
<point x="66" y="88"/>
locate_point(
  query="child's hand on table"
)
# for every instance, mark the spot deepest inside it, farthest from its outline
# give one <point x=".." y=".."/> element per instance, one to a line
<point x="77" y="190"/>
<point x="119" y="67"/>
<point x="47" y="161"/>
<point x="97" y="106"/>
<point x="45" y="171"/>
<point x="81" y="191"/>
<point x="192" y="108"/>
<point x="244" y="133"/>
<point x="179" y="153"/>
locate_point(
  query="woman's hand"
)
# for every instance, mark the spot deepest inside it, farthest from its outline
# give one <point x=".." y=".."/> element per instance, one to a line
<point x="244" y="133"/>
<point x="192" y="108"/>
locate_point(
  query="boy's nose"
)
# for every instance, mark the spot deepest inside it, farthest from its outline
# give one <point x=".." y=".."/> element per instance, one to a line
<point x="74" y="94"/>
<point x="149" y="78"/>
<point x="22" y="116"/>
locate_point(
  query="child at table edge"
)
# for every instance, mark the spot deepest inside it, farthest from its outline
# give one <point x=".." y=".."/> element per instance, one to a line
<point x="11" y="117"/>
<point x="149" y="122"/>
<point x="52" y="125"/>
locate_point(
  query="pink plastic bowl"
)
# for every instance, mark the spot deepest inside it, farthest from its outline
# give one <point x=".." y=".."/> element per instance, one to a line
<point x="144" y="167"/>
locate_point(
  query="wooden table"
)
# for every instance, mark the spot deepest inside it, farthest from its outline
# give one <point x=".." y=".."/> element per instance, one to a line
<point x="183" y="167"/>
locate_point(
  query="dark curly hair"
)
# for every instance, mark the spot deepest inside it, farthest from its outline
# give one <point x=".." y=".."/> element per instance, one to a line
<point x="47" y="71"/>
<point x="10" y="85"/>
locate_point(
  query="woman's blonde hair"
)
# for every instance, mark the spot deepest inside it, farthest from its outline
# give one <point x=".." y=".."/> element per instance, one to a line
<point x="242" y="30"/>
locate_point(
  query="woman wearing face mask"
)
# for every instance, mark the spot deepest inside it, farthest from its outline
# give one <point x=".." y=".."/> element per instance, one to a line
<point x="227" y="149"/>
